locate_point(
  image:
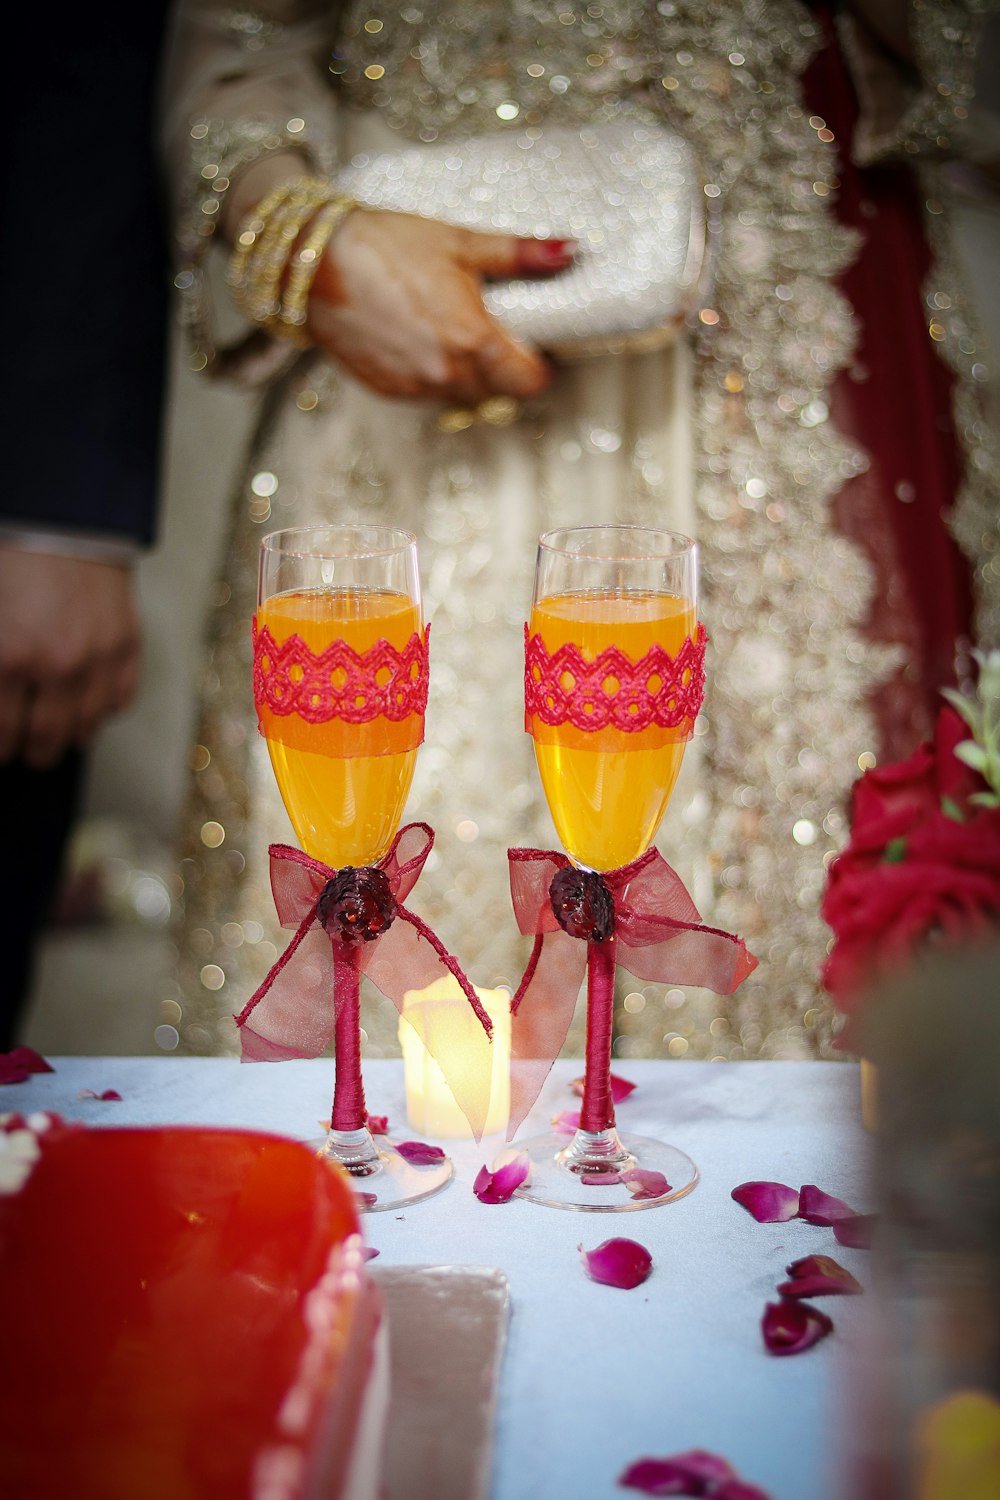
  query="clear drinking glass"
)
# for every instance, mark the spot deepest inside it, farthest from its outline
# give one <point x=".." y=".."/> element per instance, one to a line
<point x="634" y="590"/>
<point x="344" y="780"/>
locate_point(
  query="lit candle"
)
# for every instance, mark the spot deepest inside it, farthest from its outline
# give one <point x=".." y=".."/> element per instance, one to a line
<point x="442" y="1012"/>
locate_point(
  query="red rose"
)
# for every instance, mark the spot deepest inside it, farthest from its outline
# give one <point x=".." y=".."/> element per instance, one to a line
<point x="944" y="888"/>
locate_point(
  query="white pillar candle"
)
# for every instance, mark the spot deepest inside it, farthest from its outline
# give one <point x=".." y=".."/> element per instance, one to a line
<point x="430" y="1105"/>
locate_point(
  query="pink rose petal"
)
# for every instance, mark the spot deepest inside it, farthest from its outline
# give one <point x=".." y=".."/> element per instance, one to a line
<point x="107" y="1094"/>
<point x="620" y="1088"/>
<point x="618" y="1262"/>
<point x="818" y="1276"/>
<point x="680" y="1474"/>
<point x="17" y="1065"/>
<point x="368" y="1252"/>
<point x="793" y="1327"/>
<point x="378" y="1124"/>
<point x="644" y="1183"/>
<point x="499" y="1185"/>
<point x="855" y="1233"/>
<point x="817" y="1207"/>
<point x="367" y="1200"/>
<point x="738" y="1489"/>
<point x="419" y="1153"/>
<point x="566" y="1122"/>
<point x="769" y="1202"/>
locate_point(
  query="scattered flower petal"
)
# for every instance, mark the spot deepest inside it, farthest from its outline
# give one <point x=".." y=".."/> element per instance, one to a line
<point x="792" y="1327"/>
<point x="378" y="1124"/>
<point x="499" y="1185"/>
<point x="818" y="1276"/>
<point x="738" y="1489"/>
<point x="17" y="1066"/>
<point x="680" y="1474"/>
<point x="855" y="1233"/>
<point x="601" y="1178"/>
<point x="644" y="1183"/>
<point x="107" y="1094"/>
<point x="367" y="1200"/>
<point x="620" y="1088"/>
<point x="566" y="1122"/>
<point x="618" y="1262"/>
<point x="769" y="1202"/>
<point x="419" y="1153"/>
<point x="817" y="1207"/>
<point x="368" y="1252"/>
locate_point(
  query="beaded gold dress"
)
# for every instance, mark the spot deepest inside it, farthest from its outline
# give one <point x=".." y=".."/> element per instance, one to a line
<point x="726" y="435"/>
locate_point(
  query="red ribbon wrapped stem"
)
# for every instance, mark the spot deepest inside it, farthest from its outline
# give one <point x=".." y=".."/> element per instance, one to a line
<point x="656" y="934"/>
<point x="350" y="923"/>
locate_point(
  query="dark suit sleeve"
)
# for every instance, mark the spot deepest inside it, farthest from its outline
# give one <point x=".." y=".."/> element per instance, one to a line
<point x="84" y="272"/>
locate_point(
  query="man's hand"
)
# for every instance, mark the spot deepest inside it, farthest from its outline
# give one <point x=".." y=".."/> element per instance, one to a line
<point x="69" y="651"/>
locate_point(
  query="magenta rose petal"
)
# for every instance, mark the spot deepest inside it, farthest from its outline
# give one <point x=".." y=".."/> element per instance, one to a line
<point x="818" y="1276"/>
<point x="644" y="1183"/>
<point x="739" y="1489"/>
<point x="618" y="1262"/>
<point x="792" y="1327"/>
<point x="368" y="1252"/>
<point x="768" y="1202"/>
<point x="107" y="1094"/>
<point x="620" y="1087"/>
<point x="17" y="1065"/>
<point x="566" y="1122"/>
<point x="680" y="1474"/>
<point x="378" y="1124"/>
<point x="419" y="1153"/>
<point x="367" y="1200"/>
<point x="856" y="1232"/>
<point x="500" y="1185"/>
<point x="817" y="1207"/>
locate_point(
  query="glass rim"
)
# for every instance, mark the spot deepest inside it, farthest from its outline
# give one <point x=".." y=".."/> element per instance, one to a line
<point x="384" y="541"/>
<point x="676" y="542"/>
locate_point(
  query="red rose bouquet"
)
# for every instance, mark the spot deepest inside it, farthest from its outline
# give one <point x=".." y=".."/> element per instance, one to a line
<point x="922" y="865"/>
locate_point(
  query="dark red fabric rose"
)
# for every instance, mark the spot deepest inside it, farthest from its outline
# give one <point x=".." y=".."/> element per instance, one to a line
<point x="943" y="888"/>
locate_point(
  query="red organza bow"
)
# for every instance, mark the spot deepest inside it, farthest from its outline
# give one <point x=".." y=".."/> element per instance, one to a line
<point x="659" y="936"/>
<point x="295" y="1010"/>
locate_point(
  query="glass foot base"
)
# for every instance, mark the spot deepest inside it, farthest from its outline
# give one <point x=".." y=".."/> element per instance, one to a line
<point x="382" y="1179"/>
<point x="554" y="1184"/>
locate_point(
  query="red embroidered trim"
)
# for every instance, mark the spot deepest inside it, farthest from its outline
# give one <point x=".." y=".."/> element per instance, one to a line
<point x="338" y="682"/>
<point x="613" y="691"/>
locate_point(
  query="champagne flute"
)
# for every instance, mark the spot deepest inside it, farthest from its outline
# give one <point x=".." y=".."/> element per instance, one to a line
<point x="623" y="599"/>
<point x="341" y="607"/>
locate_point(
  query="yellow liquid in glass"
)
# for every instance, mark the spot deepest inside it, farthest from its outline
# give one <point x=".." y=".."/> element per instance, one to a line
<point x="343" y="785"/>
<point x="608" y="789"/>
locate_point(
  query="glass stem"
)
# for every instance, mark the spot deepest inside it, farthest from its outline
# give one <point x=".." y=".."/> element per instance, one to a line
<point x="350" y="1113"/>
<point x="597" y="1111"/>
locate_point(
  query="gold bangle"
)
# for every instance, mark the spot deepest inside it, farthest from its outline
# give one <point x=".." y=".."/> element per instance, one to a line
<point x="305" y="263"/>
<point x="264" y="242"/>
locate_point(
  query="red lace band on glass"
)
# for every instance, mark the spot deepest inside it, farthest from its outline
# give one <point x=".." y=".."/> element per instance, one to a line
<point x="657" y="934"/>
<point x="339" y="682"/>
<point x="310" y="997"/>
<point x="613" y="691"/>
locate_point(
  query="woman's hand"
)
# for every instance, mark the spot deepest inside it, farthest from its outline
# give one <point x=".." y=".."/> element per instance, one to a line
<point x="397" y="299"/>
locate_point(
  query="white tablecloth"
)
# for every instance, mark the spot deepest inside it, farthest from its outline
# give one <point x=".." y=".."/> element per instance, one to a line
<point x="594" y="1377"/>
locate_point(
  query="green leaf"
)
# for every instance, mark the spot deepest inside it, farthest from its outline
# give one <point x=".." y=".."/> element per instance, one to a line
<point x="972" y="755"/>
<point x="967" y="707"/>
<point x="895" y="851"/>
<point x="985" y="799"/>
<point x="951" y="810"/>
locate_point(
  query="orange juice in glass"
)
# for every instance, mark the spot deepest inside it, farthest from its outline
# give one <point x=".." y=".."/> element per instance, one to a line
<point x="608" y="787"/>
<point x="344" y="784"/>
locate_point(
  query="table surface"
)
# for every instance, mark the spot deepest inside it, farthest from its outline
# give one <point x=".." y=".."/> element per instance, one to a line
<point x="594" y="1377"/>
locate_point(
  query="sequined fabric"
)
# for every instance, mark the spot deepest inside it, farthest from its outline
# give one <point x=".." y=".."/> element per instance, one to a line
<point x="726" y="435"/>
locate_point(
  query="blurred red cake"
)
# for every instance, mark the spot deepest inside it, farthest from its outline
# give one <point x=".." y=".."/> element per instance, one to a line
<point x="185" y="1314"/>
